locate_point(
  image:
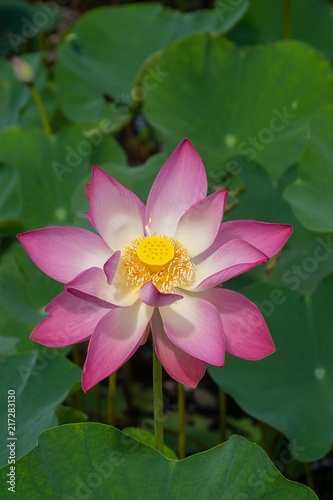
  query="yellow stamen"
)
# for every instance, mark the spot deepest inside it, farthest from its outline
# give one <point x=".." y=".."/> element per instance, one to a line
<point x="167" y="266"/>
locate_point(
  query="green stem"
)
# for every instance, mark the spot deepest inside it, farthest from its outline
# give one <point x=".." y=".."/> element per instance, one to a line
<point x="265" y="441"/>
<point x="286" y="19"/>
<point x="77" y="355"/>
<point x="309" y="476"/>
<point x="78" y="394"/>
<point x="223" y="414"/>
<point x="42" y="41"/>
<point x="126" y="387"/>
<point x="158" y="402"/>
<point x="182" y="422"/>
<point x="111" y="397"/>
<point x="181" y="5"/>
<point x="41" y="109"/>
<point x="98" y="403"/>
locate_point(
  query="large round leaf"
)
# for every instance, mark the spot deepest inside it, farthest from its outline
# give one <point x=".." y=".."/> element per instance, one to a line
<point x="41" y="381"/>
<point x="311" y="195"/>
<point x="81" y="460"/>
<point x="255" y="102"/>
<point x="292" y="389"/>
<point x="130" y="33"/>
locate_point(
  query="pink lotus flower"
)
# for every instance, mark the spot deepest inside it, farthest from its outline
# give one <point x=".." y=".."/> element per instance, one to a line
<point x="157" y="266"/>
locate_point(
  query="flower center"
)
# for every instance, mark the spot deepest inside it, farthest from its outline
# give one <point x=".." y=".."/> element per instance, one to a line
<point x="156" y="252"/>
<point x="163" y="260"/>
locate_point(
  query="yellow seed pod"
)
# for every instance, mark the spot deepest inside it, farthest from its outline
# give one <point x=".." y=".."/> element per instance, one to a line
<point x="156" y="252"/>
